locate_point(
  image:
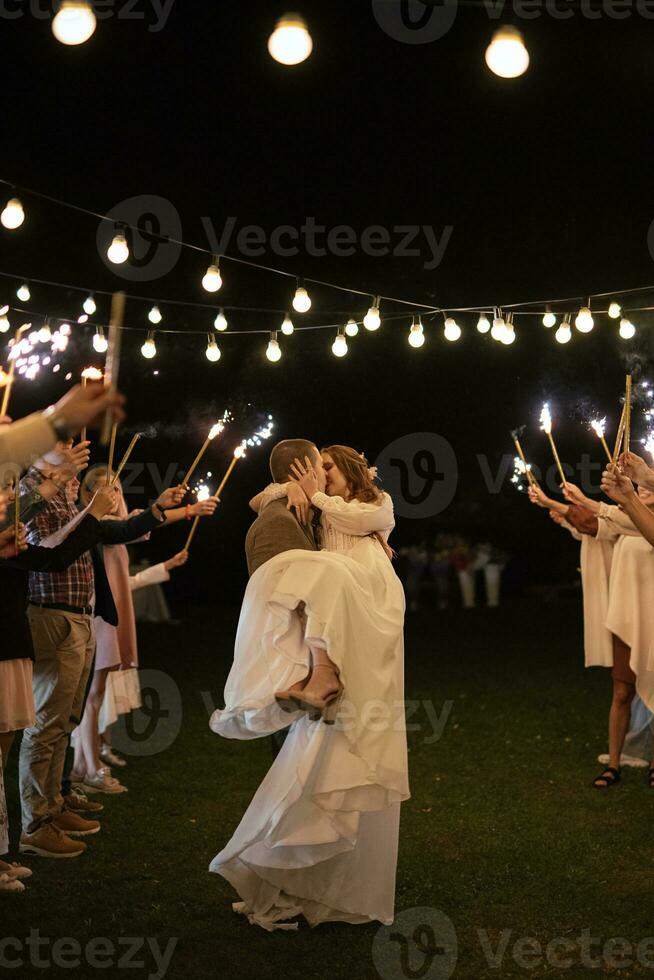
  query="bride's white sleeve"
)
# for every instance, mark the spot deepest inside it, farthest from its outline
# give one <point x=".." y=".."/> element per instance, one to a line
<point x="354" y="517"/>
<point x="274" y="491"/>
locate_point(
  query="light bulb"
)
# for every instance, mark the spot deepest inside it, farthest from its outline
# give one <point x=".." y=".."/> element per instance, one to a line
<point x="149" y="349"/>
<point x="615" y="310"/>
<point x="351" y="328"/>
<point x="83" y="318"/>
<point x="4" y="310"/>
<point x="452" y="329"/>
<point x="584" y="320"/>
<point x="497" y="330"/>
<point x="372" y="319"/>
<point x="563" y="334"/>
<point x="89" y="305"/>
<point x="23" y="293"/>
<point x="220" y="323"/>
<point x="274" y="351"/>
<point x="65" y="329"/>
<point x="13" y="215"/>
<point x="627" y="329"/>
<point x="508" y="334"/>
<point x="100" y="342"/>
<point x="213" y="351"/>
<point x="339" y="347"/>
<point x="290" y="43"/>
<point x="301" y="300"/>
<point x="154" y="316"/>
<point x="549" y="320"/>
<point x="483" y="324"/>
<point x="118" y="251"/>
<point x="416" y="335"/>
<point x="4" y="324"/>
<point x="74" y="22"/>
<point x="287" y="326"/>
<point x="507" y="55"/>
<point x="212" y="279"/>
<point x="45" y="334"/>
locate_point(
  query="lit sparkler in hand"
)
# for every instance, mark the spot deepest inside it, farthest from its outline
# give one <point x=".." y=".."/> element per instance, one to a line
<point x="546" y="426"/>
<point x="215" y="431"/>
<point x="599" y="428"/>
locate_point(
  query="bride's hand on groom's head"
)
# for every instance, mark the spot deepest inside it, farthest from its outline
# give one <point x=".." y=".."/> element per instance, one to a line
<point x="305" y="476"/>
<point x="298" y="502"/>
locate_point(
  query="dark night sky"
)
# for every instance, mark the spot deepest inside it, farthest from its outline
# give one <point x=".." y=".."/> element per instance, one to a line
<point x="546" y="181"/>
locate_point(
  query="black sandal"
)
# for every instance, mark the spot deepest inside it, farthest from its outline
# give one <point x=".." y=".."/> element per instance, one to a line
<point x="609" y="777"/>
<point x="650" y="778"/>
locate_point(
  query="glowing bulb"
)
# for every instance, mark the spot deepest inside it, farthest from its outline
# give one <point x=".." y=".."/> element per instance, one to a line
<point x="212" y="351"/>
<point x="497" y="330"/>
<point x="89" y="305"/>
<point x="74" y="22"/>
<point x="220" y="323"/>
<point x="507" y="55"/>
<point x="149" y="349"/>
<point x="118" y="251"/>
<point x="301" y="300"/>
<point x="287" y="326"/>
<point x="372" y="319"/>
<point x="65" y="329"/>
<point x="212" y="279"/>
<point x="563" y="334"/>
<point x="274" y="351"/>
<point x="508" y="334"/>
<point x="614" y="310"/>
<point x="351" y="328"/>
<point x="4" y="324"/>
<point x="45" y="334"/>
<point x="452" y="329"/>
<point x="23" y="293"/>
<point x="13" y="215"/>
<point x="627" y="329"/>
<point x="584" y="320"/>
<point x="549" y="320"/>
<point x="416" y="335"/>
<point x="339" y="347"/>
<point x="100" y="342"/>
<point x="483" y="324"/>
<point x="154" y="316"/>
<point x="4" y="310"/>
<point x="290" y="43"/>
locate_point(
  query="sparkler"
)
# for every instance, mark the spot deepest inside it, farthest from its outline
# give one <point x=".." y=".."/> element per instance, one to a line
<point x="215" y="430"/>
<point x="599" y="428"/>
<point x="16" y="506"/>
<point x="546" y="426"/>
<point x="112" y="449"/>
<point x="526" y="468"/>
<point x="520" y="469"/>
<point x="15" y="350"/>
<point x="112" y="362"/>
<point x="627" y="416"/>
<point x="123" y="461"/>
<point x="89" y="374"/>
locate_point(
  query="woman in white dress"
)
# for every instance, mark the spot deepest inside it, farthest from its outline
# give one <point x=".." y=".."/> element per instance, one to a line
<point x="320" y="836"/>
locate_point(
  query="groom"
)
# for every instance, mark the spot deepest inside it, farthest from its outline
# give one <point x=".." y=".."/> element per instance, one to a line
<point x="277" y="529"/>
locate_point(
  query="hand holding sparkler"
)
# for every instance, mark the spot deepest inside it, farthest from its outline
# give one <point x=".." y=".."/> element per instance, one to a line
<point x="617" y="486"/>
<point x="13" y="542"/>
<point x="637" y="470"/>
<point x="176" y="561"/>
<point x="575" y="496"/>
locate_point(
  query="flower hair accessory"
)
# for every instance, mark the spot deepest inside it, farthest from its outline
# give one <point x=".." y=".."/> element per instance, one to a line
<point x="372" y="472"/>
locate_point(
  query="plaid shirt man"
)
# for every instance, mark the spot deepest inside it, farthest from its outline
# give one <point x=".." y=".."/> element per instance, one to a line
<point x="75" y="586"/>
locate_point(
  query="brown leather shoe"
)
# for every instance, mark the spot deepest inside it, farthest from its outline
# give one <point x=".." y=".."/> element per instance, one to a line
<point x="80" y="804"/>
<point x="48" y="841"/>
<point x="75" y="826"/>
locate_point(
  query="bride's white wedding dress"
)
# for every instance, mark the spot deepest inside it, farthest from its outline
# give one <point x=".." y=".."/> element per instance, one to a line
<point x="320" y="836"/>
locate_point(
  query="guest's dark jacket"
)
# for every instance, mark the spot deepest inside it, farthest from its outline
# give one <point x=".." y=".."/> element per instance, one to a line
<point x="16" y="643"/>
<point x="116" y="532"/>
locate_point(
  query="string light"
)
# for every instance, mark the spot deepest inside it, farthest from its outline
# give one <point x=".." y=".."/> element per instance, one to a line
<point x="4" y="310"/>
<point x="614" y="310"/>
<point x="564" y="333"/>
<point x="89" y="305"/>
<point x="212" y="351"/>
<point x="45" y="334"/>
<point x="452" y="329"/>
<point x="508" y="334"/>
<point x="584" y="320"/>
<point x="483" y="324"/>
<point x="499" y="326"/>
<point x="290" y="43"/>
<point x="287" y="326"/>
<point x="372" y="319"/>
<point x="507" y="55"/>
<point x="23" y="293"/>
<point x="212" y="278"/>
<point x="149" y="348"/>
<point x="339" y="347"/>
<point x="351" y="328"/>
<point x="220" y="323"/>
<point x="83" y="318"/>
<point x="74" y="22"/>
<point x="4" y="324"/>
<point x="416" y="334"/>
<point x="274" y="351"/>
<point x="154" y="316"/>
<point x="100" y="342"/>
<point x="627" y="329"/>
<point x="118" y="251"/>
<point x="13" y="214"/>
<point x="301" y="300"/>
<point x="549" y="320"/>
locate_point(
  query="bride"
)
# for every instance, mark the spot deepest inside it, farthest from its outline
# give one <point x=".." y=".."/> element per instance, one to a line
<point x="320" y="640"/>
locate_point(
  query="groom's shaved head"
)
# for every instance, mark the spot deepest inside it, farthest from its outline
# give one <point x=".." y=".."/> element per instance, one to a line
<point x="285" y="452"/>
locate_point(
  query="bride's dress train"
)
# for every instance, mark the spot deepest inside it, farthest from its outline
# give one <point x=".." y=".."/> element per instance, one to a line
<point x="320" y="836"/>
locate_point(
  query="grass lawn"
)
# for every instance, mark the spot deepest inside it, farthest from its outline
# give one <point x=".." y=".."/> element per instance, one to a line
<point x="503" y="834"/>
